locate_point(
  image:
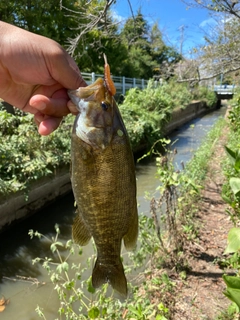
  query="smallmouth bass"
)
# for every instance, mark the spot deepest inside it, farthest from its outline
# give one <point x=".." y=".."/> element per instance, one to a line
<point x="103" y="180"/>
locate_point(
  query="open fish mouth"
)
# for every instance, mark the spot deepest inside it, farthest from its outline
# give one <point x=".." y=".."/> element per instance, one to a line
<point x="72" y="95"/>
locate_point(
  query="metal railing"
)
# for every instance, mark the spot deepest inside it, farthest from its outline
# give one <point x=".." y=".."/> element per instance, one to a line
<point x="122" y="84"/>
<point x="224" y="89"/>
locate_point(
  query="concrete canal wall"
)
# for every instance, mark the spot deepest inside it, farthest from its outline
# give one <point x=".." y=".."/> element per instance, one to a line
<point x="49" y="189"/>
<point x="42" y="193"/>
<point x="182" y="116"/>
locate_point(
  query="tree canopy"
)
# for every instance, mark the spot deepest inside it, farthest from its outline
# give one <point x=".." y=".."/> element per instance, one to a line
<point x="218" y="57"/>
<point x="147" y="51"/>
<point x="87" y="30"/>
<point x="231" y="7"/>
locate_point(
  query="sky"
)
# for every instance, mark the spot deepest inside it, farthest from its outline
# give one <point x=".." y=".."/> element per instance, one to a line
<point x="175" y="20"/>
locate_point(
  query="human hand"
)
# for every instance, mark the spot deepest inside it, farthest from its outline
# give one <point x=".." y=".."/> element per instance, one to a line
<point x="35" y="73"/>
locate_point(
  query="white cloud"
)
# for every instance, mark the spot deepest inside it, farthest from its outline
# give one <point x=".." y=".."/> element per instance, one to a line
<point x="116" y="17"/>
<point x="208" y="22"/>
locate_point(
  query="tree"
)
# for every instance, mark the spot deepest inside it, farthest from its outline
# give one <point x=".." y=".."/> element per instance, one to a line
<point x="223" y="46"/>
<point x="87" y="30"/>
<point x="164" y="57"/>
<point x="219" y="55"/>
<point x="134" y="36"/>
<point x="89" y="52"/>
<point x="84" y="28"/>
<point x="147" y="50"/>
<point x="41" y="17"/>
<point x="231" y="7"/>
<point x="96" y="33"/>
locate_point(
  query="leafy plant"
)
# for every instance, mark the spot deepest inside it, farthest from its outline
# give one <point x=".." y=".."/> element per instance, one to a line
<point x="234" y="113"/>
<point x="231" y="194"/>
<point x="233" y="183"/>
<point x="79" y="300"/>
<point x="25" y="155"/>
<point x="145" y="112"/>
<point x="233" y="289"/>
<point x="202" y="93"/>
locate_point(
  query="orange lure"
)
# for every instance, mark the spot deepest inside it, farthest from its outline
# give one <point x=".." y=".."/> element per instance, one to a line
<point x="107" y="78"/>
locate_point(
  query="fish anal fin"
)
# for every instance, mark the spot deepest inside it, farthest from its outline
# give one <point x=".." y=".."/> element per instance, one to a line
<point x="80" y="233"/>
<point x="113" y="274"/>
<point x="130" y="238"/>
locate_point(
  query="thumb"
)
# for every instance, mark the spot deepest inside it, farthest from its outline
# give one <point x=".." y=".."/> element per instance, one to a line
<point x="65" y="71"/>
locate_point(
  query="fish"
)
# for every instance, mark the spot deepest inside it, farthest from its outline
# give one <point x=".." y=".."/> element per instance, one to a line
<point x="103" y="180"/>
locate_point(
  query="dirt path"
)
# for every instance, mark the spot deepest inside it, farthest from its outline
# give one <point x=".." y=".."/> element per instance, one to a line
<point x="201" y="297"/>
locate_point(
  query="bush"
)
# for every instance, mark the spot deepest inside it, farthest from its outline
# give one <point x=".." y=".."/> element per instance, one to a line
<point x="204" y="94"/>
<point x="26" y="156"/>
<point x="145" y="112"/>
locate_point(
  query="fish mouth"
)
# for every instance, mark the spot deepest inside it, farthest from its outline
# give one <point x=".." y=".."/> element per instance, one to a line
<point x="73" y="96"/>
<point x="83" y="93"/>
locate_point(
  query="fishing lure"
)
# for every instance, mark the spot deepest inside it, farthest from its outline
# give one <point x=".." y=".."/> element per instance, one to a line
<point x="107" y="78"/>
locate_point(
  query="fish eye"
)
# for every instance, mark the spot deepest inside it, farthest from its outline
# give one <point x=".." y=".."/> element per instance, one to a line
<point x="104" y="105"/>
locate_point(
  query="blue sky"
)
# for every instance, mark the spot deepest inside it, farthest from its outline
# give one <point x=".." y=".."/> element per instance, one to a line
<point x="171" y="16"/>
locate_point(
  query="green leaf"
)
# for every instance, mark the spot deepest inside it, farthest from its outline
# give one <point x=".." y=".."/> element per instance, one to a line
<point x="233" y="295"/>
<point x="104" y="311"/>
<point x="93" y="313"/>
<point x="233" y="241"/>
<point x="62" y="267"/>
<point x="231" y="154"/>
<point x="237" y="162"/>
<point x="234" y="157"/>
<point x="232" y="281"/>
<point x="90" y="288"/>
<point x="136" y="310"/>
<point x="227" y="199"/>
<point x="233" y="288"/>
<point x="235" y="185"/>
<point x="159" y="317"/>
<point x="54" y="245"/>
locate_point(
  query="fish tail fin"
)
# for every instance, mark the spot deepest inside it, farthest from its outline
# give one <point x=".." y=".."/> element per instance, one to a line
<point x="114" y="274"/>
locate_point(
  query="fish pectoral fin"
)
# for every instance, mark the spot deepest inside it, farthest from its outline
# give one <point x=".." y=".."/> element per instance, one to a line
<point x="114" y="274"/>
<point x="80" y="233"/>
<point x="130" y="238"/>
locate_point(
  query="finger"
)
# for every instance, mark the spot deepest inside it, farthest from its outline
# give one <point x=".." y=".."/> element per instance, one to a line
<point x="48" y="125"/>
<point x="39" y="117"/>
<point x="72" y="108"/>
<point x="55" y="107"/>
<point x="63" y="64"/>
<point x="37" y="120"/>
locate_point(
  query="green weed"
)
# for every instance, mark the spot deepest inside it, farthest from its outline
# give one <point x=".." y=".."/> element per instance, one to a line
<point x="79" y="300"/>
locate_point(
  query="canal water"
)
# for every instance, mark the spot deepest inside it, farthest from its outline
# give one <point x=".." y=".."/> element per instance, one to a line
<point x="27" y="285"/>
